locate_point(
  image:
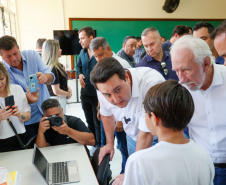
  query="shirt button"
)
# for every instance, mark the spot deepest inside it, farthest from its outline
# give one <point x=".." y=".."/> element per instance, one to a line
<point x="211" y="128"/>
<point x="213" y="144"/>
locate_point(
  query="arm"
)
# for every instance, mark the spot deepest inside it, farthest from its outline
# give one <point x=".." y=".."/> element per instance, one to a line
<point x="44" y="78"/>
<point x="109" y="124"/>
<point x="59" y="92"/>
<point x="43" y="126"/>
<point x="70" y="92"/>
<point x="84" y="138"/>
<point x="23" y="116"/>
<point x="144" y="140"/>
<point x="79" y="70"/>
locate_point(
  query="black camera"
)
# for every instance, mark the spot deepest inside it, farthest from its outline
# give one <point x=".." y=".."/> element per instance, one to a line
<point x="55" y="120"/>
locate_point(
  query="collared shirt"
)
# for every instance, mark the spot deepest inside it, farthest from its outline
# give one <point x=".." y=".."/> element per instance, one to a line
<point x="148" y="61"/>
<point x="138" y="54"/>
<point x="121" y="53"/>
<point x="32" y="63"/>
<point x="219" y="60"/>
<point x="133" y="114"/>
<point x="208" y="124"/>
<point x="166" y="45"/>
<point x="122" y="61"/>
<point x="84" y="66"/>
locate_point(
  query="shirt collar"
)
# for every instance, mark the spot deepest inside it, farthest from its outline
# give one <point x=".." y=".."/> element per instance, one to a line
<point x="164" y="58"/>
<point x="217" y="77"/>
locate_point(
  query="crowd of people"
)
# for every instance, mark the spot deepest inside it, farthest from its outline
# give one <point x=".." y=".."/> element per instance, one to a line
<point x="163" y="100"/>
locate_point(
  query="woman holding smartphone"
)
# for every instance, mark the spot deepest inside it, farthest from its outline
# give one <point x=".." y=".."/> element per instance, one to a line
<point x="18" y="114"/>
<point x="59" y="89"/>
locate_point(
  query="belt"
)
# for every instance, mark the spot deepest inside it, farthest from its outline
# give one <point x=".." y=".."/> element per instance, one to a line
<point x="220" y="165"/>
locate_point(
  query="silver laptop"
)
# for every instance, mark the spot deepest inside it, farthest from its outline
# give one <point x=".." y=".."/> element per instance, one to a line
<point x="55" y="173"/>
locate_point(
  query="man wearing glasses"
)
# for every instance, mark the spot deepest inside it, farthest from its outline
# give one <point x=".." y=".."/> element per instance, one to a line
<point x="72" y="130"/>
<point x="156" y="58"/>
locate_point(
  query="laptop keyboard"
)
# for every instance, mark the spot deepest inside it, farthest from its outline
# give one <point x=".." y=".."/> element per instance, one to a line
<point x="59" y="172"/>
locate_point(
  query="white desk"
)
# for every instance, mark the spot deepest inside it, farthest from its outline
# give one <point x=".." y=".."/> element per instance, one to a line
<point x="21" y="161"/>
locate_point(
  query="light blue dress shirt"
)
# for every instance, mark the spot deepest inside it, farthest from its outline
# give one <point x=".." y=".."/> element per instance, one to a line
<point x="32" y="63"/>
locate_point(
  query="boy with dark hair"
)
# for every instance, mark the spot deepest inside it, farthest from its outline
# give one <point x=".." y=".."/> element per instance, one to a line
<point x="174" y="160"/>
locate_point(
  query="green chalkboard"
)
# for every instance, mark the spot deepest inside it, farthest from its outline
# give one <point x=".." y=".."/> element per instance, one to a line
<point x="114" y="30"/>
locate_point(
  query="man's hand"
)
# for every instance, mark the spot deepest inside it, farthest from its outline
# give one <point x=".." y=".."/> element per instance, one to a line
<point x="119" y="180"/>
<point x="81" y="79"/>
<point x="43" y="125"/>
<point x="32" y="97"/>
<point x="119" y="126"/>
<point x="63" y="129"/>
<point x="42" y="79"/>
<point x="5" y="114"/>
<point x="107" y="149"/>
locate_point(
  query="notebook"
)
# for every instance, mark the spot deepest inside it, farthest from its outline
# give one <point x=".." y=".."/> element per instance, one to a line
<point x="55" y="173"/>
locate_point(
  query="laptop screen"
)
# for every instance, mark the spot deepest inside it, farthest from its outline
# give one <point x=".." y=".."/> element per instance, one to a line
<point x="40" y="161"/>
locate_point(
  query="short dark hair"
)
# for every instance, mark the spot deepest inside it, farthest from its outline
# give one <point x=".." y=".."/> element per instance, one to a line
<point x="172" y="103"/>
<point x="180" y="30"/>
<point x="202" y="24"/>
<point x="7" y="42"/>
<point x="127" y="38"/>
<point x="138" y="39"/>
<point x="50" y="103"/>
<point x="219" y="30"/>
<point x="39" y="43"/>
<point x="89" y="31"/>
<point x="105" y="69"/>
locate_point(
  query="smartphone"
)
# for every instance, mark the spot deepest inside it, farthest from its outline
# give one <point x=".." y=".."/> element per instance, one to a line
<point x="33" y="83"/>
<point x="9" y="101"/>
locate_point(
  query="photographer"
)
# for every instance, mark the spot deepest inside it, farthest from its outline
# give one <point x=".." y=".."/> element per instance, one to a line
<point x="72" y="129"/>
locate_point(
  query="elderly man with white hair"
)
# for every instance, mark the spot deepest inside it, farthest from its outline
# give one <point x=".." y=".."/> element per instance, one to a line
<point x="193" y="62"/>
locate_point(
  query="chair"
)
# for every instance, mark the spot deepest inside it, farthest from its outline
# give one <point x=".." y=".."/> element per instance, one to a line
<point x="102" y="171"/>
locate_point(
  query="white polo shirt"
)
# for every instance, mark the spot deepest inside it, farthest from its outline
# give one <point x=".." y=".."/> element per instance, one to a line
<point x="21" y="101"/>
<point x="122" y="61"/>
<point x="208" y="124"/>
<point x="143" y="78"/>
<point x="168" y="163"/>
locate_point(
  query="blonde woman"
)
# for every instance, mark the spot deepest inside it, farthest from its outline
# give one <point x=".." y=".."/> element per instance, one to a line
<point x="59" y="89"/>
<point x="20" y="113"/>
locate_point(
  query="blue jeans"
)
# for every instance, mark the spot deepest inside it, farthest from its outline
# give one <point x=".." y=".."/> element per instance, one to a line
<point x="131" y="144"/>
<point x="122" y="144"/>
<point x="220" y="176"/>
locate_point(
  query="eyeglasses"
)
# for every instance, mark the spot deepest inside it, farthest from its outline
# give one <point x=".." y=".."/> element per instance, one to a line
<point x="163" y="68"/>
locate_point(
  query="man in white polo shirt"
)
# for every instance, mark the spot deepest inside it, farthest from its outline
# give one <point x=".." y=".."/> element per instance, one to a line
<point x="121" y="96"/>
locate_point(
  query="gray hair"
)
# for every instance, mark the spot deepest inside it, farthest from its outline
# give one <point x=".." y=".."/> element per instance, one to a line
<point x="145" y="32"/>
<point x="197" y="46"/>
<point x="98" y="42"/>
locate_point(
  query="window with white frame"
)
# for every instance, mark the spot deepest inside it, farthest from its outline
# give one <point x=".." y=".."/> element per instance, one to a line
<point x="8" y="18"/>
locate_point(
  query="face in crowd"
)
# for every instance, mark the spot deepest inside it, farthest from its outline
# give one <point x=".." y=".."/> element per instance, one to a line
<point x="130" y="47"/>
<point x="152" y="44"/>
<point x="116" y="91"/>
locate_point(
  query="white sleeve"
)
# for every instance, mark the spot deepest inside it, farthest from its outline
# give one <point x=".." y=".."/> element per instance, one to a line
<point x="25" y="106"/>
<point x="133" y="175"/>
<point x="104" y="110"/>
<point x="142" y="125"/>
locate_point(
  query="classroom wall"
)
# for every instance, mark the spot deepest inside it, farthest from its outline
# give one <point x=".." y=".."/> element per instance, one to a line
<point x="38" y="18"/>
